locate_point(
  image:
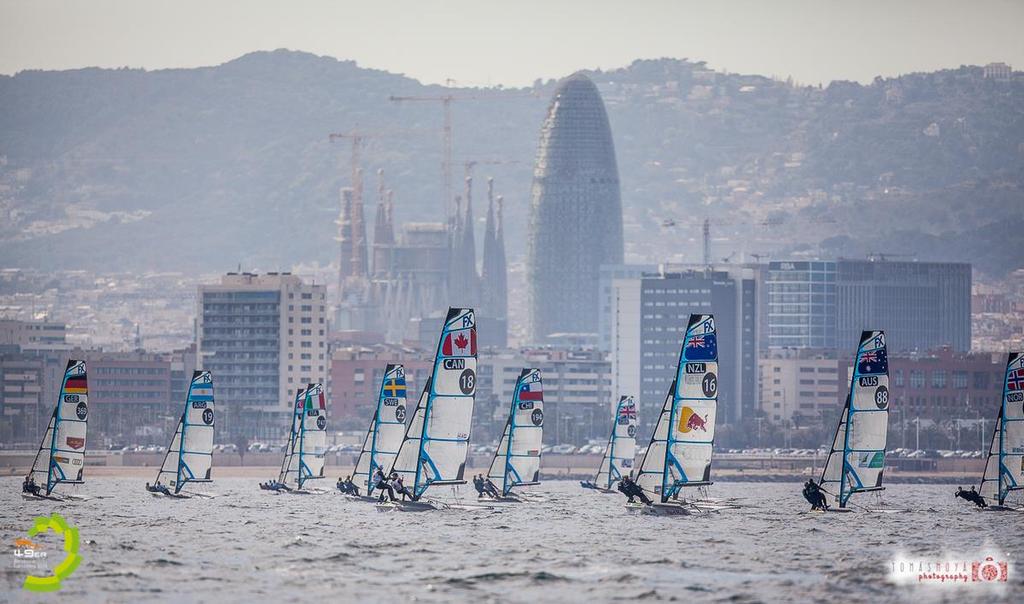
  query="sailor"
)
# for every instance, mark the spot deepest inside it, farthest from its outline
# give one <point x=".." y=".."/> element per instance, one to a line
<point x="159" y="488"/>
<point x="490" y="488"/>
<point x="342" y="486"/>
<point x="30" y="486"/>
<point x="631" y="489"/>
<point x="814" y="496"/>
<point x="351" y="486"/>
<point x="973" y="496"/>
<point x="478" y="484"/>
<point x="400" y="486"/>
<point x="381" y="484"/>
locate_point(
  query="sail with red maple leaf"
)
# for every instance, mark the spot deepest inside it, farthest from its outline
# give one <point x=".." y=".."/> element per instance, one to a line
<point x="436" y="441"/>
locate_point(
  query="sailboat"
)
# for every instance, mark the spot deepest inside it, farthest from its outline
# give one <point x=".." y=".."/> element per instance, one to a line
<point x="856" y="460"/>
<point x="433" y="450"/>
<point x="621" y="450"/>
<point x="517" y="459"/>
<point x="1004" y="470"/>
<point x="189" y="457"/>
<point x="386" y="431"/>
<point x="679" y="454"/>
<point x="61" y="455"/>
<point x="306" y="451"/>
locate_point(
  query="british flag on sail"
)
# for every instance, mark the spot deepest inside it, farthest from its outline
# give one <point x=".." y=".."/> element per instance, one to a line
<point x="460" y="343"/>
<point x="627" y="413"/>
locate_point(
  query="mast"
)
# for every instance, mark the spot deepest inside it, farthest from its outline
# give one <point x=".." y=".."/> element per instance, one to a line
<point x="189" y="457"/>
<point x="624" y="423"/>
<point x="387" y="427"/>
<point x="289" y="450"/>
<point x="312" y="435"/>
<point x="434" y="450"/>
<point x="1004" y="468"/>
<point x="690" y="439"/>
<point x="62" y="448"/>
<point x="516" y="461"/>
<point x="863" y="424"/>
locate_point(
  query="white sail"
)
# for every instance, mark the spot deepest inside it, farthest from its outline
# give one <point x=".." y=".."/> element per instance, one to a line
<point x="311" y="441"/>
<point x="517" y="460"/>
<point x="621" y="450"/>
<point x="189" y="457"/>
<point x="61" y="455"/>
<point x="437" y="440"/>
<point x="685" y="432"/>
<point x="1004" y="469"/>
<point x="290" y="463"/>
<point x="857" y="458"/>
<point x="384" y="436"/>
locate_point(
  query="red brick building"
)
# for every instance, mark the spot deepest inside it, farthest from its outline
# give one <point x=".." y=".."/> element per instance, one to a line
<point x="942" y="386"/>
<point x="355" y="375"/>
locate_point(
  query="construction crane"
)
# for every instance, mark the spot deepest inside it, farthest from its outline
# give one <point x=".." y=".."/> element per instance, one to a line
<point x="472" y="163"/>
<point x="357" y="139"/>
<point x="446" y="132"/>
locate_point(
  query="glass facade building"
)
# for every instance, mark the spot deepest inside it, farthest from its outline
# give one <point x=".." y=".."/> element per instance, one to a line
<point x="575" y="212"/>
<point x="801" y="304"/>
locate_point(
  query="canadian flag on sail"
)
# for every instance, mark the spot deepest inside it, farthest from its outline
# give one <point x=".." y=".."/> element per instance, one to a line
<point x="459" y="343"/>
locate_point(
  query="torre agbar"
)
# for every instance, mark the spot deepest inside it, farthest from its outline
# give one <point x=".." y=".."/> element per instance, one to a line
<point x="575" y="211"/>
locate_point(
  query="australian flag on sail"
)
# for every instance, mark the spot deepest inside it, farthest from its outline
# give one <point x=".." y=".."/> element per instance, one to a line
<point x="702" y="347"/>
<point x="873" y="361"/>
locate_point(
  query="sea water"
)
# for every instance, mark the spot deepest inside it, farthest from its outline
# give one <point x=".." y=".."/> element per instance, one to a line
<point x="570" y="545"/>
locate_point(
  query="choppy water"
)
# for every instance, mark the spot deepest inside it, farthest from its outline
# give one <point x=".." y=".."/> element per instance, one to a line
<point x="248" y="545"/>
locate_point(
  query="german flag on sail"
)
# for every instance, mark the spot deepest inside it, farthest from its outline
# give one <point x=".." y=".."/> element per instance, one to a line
<point x="76" y="385"/>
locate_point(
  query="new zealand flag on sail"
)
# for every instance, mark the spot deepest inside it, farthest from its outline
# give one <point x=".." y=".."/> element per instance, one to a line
<point x="873" y="361"/>
<point x="702" y="348"/>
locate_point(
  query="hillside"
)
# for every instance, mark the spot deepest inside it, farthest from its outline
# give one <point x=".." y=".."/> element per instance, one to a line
<point x="202" y="169"/>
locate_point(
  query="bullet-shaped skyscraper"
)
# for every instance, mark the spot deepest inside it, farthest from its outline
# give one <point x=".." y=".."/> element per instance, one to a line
<point x="575" y="211"/>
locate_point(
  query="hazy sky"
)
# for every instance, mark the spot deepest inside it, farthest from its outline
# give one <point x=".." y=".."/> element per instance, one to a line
<point x="513" y="42"/>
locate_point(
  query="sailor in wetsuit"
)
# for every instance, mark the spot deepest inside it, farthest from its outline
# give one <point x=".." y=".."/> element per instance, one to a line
<point x="30" y="486"/>
<point x="400" y="487"/>
<point x="381" y="484"/>
<point x="489" y="488"/>
<point x="631" y="489"/>
<point x="158" y="488"/>
<point x="973" y="496"/>
<point x="351" y="486"/>
<point x="813" y="494"/>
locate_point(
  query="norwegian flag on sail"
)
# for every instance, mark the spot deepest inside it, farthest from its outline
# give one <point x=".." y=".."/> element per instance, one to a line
<point x="459" y="343"/>
<point x="1015" y="381"/>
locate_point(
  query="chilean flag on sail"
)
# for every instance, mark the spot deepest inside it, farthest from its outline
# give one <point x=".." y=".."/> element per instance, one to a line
<point x="526" y="393"/>
<point x="459" y="343"/>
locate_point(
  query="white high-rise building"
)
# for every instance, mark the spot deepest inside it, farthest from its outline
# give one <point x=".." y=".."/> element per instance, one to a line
<point x="263" y="337"/>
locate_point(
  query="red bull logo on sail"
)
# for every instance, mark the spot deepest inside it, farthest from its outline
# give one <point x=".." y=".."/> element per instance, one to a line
<point x="689" y="421"/>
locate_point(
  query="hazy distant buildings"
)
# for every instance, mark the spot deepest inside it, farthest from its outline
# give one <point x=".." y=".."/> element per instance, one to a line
<point x="263" y="337"/>
<point x="421" y="272"/>
<point x="575" y="211"/>
<point x="801" y="387"/>
<point x="578" y="397"/>
<point x="826" y="304"/>
<point x="920" y="305"/>
<point x="648" y="318"/>
<point x="33" y="335"/>
<point x="800" y="301"/>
